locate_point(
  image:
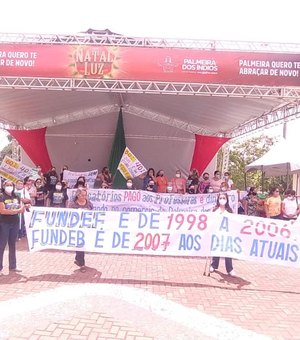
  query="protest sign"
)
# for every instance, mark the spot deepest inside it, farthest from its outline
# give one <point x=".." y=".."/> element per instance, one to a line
<point x="141" y="200"/>
<point x="71" y="177"/>
<point x="14" y="170"/>
<point x="166" y="233"/>
<point x="130" y="166"/>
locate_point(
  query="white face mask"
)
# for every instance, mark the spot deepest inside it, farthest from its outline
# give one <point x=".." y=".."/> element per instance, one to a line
<point x="58" y="187"/>
<point x="210" y="190"/>
<point x="129" y="185"/>
<point x="223" y="189"/>
<point x="9" y="189"/>
<point x="222" y="201"/>
<point x="169" y="189"/>
<point x="177" y="175"/>
<point x="290" y="198"/>
<point x="226" y="177"/>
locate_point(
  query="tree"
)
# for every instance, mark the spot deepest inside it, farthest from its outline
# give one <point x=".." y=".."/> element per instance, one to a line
<point x="6" y="151"/>
<point x="245" y="152"/>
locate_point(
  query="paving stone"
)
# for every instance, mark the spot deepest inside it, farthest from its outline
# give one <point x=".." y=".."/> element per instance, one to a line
<point x="266" y="300"/>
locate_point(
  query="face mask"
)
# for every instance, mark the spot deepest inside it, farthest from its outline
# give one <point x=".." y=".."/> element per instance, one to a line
<point x="223" y="189"/>
<point x="177" y="175"/>
<point x="169" y="189"/>
<point x="226" y="177"/>
<point x="161" y="175"/>
<point x="81" y="182"/>
<point x="290" y="198"/>
<point x="9" y="189"/>
<point x="58" y="187"/>
<point x="129" y="185"/>
<point x="222" y="201"/>
<point x="19" y="187"/>
<point x="191" y="191"/>
<point x="210" y="190"/>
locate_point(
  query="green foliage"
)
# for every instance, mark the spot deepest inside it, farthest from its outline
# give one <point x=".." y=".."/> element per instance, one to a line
<point x="245" y="152"/>
<point x="6" y="151"/>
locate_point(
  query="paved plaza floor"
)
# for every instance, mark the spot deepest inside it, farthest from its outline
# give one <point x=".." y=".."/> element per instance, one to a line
<point x="145" y="297"/>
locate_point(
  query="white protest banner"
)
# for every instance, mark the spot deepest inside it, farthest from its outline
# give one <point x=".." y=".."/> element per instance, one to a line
<point x="130" y="166"/>
<point x="168" y="234"/>
<point x="13" y="170"/>
<point x="141" y="200"/>
<point x="71" y="177"/>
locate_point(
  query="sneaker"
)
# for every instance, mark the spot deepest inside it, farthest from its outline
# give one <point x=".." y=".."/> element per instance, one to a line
<point x="81" y="268"/>
<point x="78" y="264"/>
<point x="211" y="269"/>
<point x="15" y="270"/>
<point x="232" y="273"/>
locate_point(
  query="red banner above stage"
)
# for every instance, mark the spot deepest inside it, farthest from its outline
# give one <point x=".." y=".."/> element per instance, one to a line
<point x="150" y="64"/>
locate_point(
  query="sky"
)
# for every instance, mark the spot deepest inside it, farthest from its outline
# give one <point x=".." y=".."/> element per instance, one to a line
<point x="263" y="20"/>
<point x="240" y="20"/>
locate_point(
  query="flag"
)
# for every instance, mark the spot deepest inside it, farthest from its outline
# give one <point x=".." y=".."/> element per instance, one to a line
<point x="130" y="166"/>
<point x="118" y="147"/>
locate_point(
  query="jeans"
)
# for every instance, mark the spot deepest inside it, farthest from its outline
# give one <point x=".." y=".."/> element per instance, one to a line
<point x="228" y="263"/>
<point x="22" y="228"/>
<point x="80" y="258"/>
<point x="8" y="234"/>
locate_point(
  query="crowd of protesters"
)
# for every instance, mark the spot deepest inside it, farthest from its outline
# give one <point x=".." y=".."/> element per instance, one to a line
<point x="50" y="190"/>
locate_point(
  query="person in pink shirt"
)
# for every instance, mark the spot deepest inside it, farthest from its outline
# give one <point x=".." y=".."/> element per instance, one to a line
<point x="178" y="183"/>
<point x="216" y="181"/>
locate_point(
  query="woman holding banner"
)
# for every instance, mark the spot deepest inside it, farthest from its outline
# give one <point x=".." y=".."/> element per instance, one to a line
<point x="221" y="207"/>
<point x="10" y="210"/>
<point x="81" y="201"/>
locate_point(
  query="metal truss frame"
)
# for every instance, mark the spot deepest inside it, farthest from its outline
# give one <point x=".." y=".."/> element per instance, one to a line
<point x="73" y="116"/>
<point x="165" y="119"/>
<point x="277" y="115"/>
<point x="106" y="109"/>
<point x="119" y="40"/>
<point x="154" y="87"/>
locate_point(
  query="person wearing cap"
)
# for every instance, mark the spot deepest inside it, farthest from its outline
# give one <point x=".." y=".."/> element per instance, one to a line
<point x="10" y="210"/>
